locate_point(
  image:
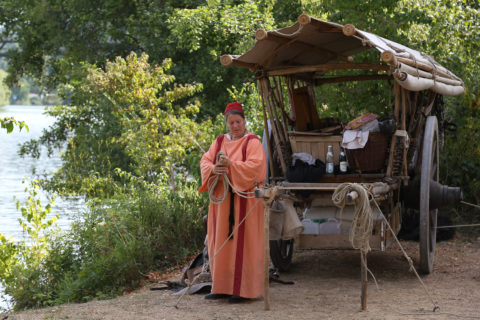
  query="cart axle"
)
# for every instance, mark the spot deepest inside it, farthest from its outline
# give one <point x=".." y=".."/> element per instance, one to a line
<point x="440" y="195"/>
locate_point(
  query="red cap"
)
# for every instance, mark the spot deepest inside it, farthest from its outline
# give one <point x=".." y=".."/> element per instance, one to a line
<point x="233" y="106"/>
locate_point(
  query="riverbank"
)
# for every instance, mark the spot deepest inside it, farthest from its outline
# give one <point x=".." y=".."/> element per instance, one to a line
<point x="327" y="286"/>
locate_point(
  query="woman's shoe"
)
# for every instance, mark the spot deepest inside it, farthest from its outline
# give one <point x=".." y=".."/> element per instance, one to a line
<point x="215" y="296"/>
<point x="237" y="299"/>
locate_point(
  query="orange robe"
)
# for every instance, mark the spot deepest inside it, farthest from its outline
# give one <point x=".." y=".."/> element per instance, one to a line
<point x="237" y="269"/>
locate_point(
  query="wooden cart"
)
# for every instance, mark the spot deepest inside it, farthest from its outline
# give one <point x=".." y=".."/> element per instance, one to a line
<point x="289" y="63"/>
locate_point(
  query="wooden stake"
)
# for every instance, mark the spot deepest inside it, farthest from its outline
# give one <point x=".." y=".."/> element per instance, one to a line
<point x="266" y="235"/>
<point x="364" y="280"/>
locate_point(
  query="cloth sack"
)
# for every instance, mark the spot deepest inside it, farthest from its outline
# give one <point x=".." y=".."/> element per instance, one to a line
<point x="291" y="223"/>
<point x="284" y="221"/>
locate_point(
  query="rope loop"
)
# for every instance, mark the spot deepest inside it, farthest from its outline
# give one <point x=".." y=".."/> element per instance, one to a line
<point x="213" y="182"/>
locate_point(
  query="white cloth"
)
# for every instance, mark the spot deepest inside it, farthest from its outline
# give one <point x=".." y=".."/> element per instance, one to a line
<point x="305" y="157"/>
<point x="353" y="139"/>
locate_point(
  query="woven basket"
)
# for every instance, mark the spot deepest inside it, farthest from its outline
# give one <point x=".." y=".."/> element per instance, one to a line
<point x="372" y="156"/>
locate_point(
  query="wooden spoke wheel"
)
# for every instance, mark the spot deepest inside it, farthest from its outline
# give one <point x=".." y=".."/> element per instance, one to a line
<point x="428" y="217"/>
<point x="281" y="252"/>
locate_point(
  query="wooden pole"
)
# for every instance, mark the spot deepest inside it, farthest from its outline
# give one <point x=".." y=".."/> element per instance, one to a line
<point x="396" y="90"/>
<point x="404" y="127"/>
<point x="264" y="86"/>
<point x="266" y="236"/>
<point x="281" y="105"/>
<point x="265" y="123"/>
<point x="230" y="60"/>
<point x="349" y="30"/>
<point x="272" y="111"/>
<point x="364" y="280"/>
<point x="275" y="106"/>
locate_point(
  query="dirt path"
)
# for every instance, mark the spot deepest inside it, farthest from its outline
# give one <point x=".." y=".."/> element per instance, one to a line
<point x="327" y="286"/>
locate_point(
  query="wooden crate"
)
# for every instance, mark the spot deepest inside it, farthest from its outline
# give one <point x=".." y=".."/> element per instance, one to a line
<point x="315" y="144"/>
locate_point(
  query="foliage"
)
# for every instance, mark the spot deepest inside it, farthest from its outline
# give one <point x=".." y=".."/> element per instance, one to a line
<point x="4" y="90"/>
<point x="109" y="249"/>
<point x="9" y="123"/>
<point x="21" y="263"/>
<point x="193" y="33"/>
<point x="131" y="116"/>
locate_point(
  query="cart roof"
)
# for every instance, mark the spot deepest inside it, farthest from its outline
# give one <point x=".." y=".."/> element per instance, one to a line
<point x="313" y="42"/>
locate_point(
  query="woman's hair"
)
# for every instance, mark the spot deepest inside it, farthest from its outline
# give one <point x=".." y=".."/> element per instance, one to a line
<point x="234" y="112"/>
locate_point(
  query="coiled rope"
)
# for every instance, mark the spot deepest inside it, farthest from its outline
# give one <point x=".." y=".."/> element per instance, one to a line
<point x="213" y="182"/>
<point x="362" y="224"/>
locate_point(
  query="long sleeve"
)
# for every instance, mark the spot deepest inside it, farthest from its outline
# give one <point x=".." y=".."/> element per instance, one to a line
<point x="206" y="166"/>
<point x="244" y="174"/>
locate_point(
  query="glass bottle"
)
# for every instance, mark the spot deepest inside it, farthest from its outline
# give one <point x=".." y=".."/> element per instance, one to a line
<point x="343" y="164"/>
<point x="329" y="164"/>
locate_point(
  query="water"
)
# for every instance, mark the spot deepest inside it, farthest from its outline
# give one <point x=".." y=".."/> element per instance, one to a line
<point x="14" y="169"/>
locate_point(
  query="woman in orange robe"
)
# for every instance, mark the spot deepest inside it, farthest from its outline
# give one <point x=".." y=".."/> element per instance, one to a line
<point x="237" y="268"/>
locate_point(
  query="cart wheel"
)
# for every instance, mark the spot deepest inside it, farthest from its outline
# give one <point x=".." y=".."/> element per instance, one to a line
<point x="281" y="252"/>
<point x="428" y="218"/>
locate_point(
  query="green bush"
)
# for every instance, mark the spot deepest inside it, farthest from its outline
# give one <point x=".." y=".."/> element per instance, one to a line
<point x="110" y="248"/>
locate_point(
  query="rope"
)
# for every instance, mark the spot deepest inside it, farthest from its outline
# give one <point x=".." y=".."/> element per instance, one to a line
<point x="470" y="204"/>
<point x="213" y="182"/>
<point x="410" y="262"/>
<point x="363" y="217"/>
<point x="459" y="226"/>
<point x="362" y="223"/>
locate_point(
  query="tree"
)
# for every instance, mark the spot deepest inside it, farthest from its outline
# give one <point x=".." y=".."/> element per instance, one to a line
<point x="192" y="33"/>
<point x="4" y="90"/>
<point x="131" y="117"/>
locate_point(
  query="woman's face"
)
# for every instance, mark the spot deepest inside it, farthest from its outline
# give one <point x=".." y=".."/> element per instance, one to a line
<point x="236" y="125"/>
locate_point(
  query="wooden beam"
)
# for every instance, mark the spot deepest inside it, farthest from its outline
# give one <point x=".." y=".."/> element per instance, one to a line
<point x="326" y="67"/>
<point x="321" y="81"/>
<point x="305" y="19"/>
<point x="349" y="30"/>
<point x="230" y="60"/>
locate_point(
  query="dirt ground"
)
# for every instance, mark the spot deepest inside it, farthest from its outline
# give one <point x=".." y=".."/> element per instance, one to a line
<point x="327" y="286"/>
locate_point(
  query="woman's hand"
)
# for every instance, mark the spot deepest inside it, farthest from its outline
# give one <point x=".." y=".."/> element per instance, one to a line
<point x="219" y="169"/>
<point x="223" y="161"/>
